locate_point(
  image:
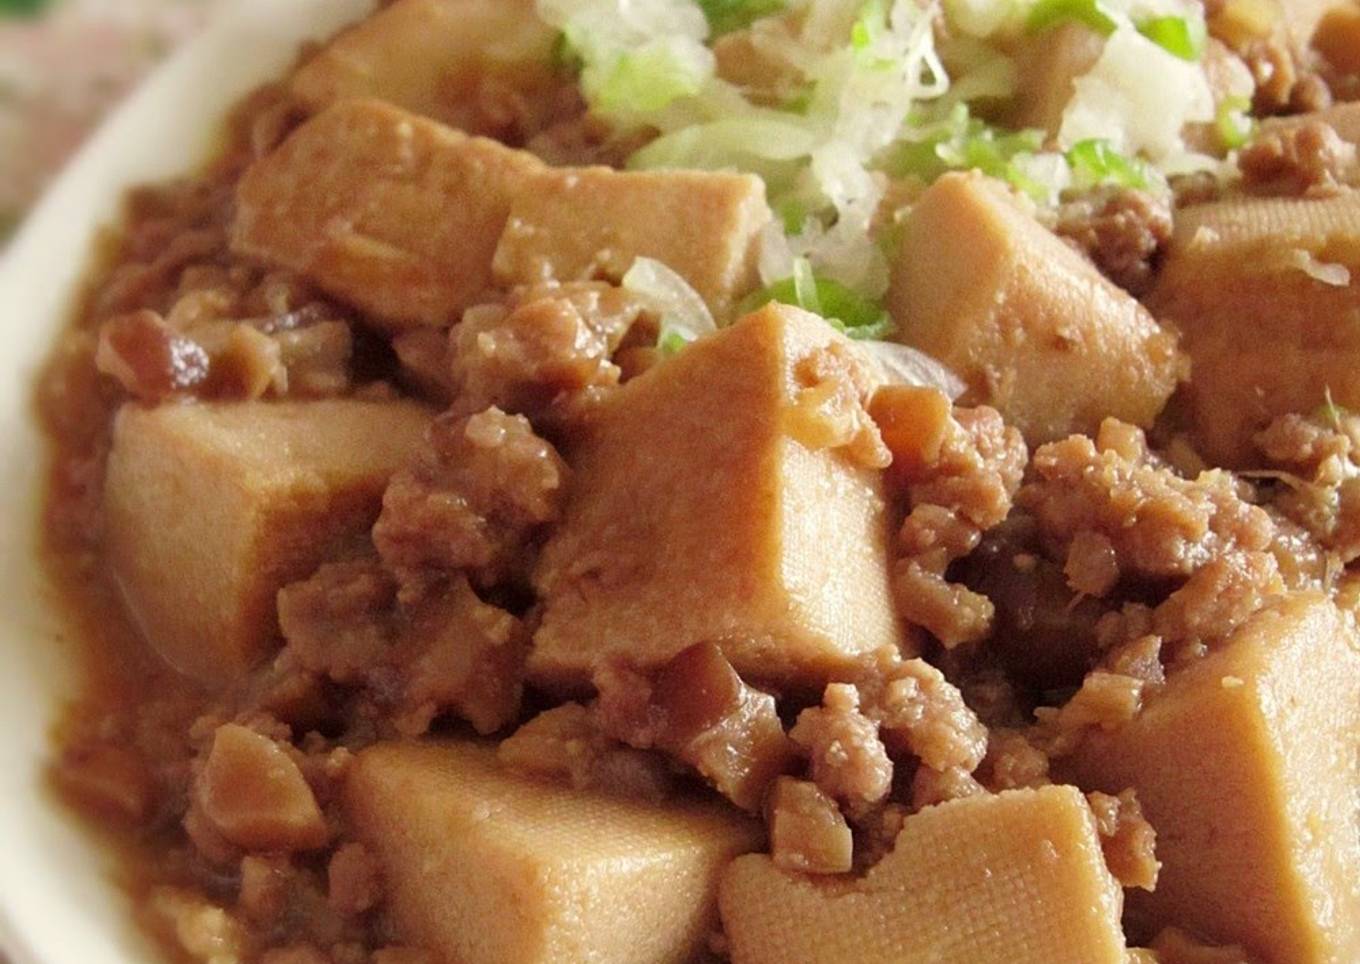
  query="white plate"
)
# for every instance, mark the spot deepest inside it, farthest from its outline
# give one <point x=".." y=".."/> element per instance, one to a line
<point x="56" y="903"/>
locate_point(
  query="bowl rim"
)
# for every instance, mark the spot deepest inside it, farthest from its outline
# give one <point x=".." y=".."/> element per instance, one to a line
<point x="58" y="898"/>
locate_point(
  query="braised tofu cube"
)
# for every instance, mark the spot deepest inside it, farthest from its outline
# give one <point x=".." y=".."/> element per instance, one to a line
<point x="1266" y="293"/>
<point x="592" y="223"/>
<point x="705" y="508"/>
<point x="210" y="509"/>
<point x="1015" y="878"/>
<point x="395" y="214"/>
<point x="1032" y="327"/>
<point x="1248" y="765"/>
<point x="435" y="57"/>
<point x="1343" y="118"/>
<point x="486" y="865"/>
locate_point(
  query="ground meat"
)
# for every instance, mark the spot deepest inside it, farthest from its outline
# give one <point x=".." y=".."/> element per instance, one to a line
<point x="1105" y="701"/>
<point x="830" y="409"/>
<point x="1122" y="232"/>
<point x="1307" y="159"/>
<point x="568" y="743"/>
<point x="848" y="760"/>
<point x="446" y="651"/>
<point x="1012" y="762"/>
<point x="353" y="880"/>
<point x="959" y="471"/>
<point x="458" y="654"/>
<point x="876" y="832"/>
<point x="1140" y="658"/>
<point x="920" y="713"/>
<point x="1092" y="566"/>
<point x="930" y="786"/>
<point x="112" y="780"/>
<point x="697" y="709"/>
<point x="1320" y="491"/>
<point x="1221" y="596"/>
<point x="475" y="500"/>
<point x="339" y="623"/>
<point x="808" y="833"/>
<point x="540" y="345"/>
<point x="1127" y="839"/>
<point x="1159" y="524"/>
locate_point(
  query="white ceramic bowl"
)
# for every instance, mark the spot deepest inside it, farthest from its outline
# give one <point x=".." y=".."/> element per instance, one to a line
<point x="57" y="905"/>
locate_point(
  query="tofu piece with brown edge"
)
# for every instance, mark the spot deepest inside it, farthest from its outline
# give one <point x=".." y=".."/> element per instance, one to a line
<point x="1029" y="324"/>
<point x="1248" y="765"/>
<point x="434" y="57"/>
<point x="390" y="212"/>
<point x="210" y="509"/>
<point x="696" y="516"/>
<point x="485" y="865"/>
<point x="1265" y="335"/>
<point x="591" y="223"/>
<point x="1015" y="878"/>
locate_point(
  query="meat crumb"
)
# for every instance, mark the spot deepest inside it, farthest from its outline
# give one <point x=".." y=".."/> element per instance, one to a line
<point x="960" y="471"/>
<point x="1320" y="490"/>
<point x="1308" y="159"/>
<point x="697" y="709"/>
<point x="353" y="881"/>
<point x="1012" y="762"/>
<point x="923" y="714"/>
<point x="930" y="786"/>
<point x="848" y="760"/>
<point x="474" y="500"/>
<point x="1122" y="232"/>
<point x="540" y="345"/>
<point x="1159" y="524"/>
<point x="808" y="834"/>
<point x="1129" y="842"/>
<point x="830" y="409"/>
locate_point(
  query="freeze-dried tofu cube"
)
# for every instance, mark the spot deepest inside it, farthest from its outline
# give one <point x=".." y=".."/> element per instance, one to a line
<point x="1032" y="327"/>
<point x="393" y="213"/>
<point x="1248" y="766"/>
<point x="483" y="864"/>
<point x="1015" y="878"/>
<point x="1266" y="293"/>
<point x="593" y="222"/>
<point x="210" y="509"/>
<point x="704" y="508"/>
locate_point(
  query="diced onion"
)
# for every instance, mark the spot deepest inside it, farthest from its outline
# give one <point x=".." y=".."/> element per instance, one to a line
<point x="1329" y="273"/>
<point x="904" y="365"/>
<point x="684" y="315"/>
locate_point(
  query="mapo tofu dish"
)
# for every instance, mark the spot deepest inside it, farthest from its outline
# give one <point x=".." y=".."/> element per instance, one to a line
<point x="767" y="480"/>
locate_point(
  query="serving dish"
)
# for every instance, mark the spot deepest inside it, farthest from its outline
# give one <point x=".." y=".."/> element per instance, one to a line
<point x="57" y="903"/>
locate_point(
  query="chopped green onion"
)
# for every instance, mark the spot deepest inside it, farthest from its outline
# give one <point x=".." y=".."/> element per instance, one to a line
<point x="846" y="311"/>
<point x="671" y="341"/>
<point x="725" y="16"/>
<point x="868" y="25"/>
<point x="969" y="144"/>
<point x="1182" y="36"/>
<point x="1047" y="14"/>
<point x="1095" y="162"/>
<point x="1234" y="122"/>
